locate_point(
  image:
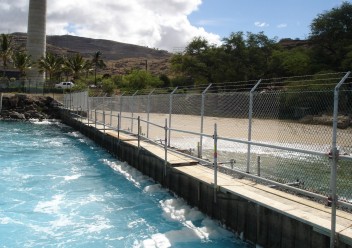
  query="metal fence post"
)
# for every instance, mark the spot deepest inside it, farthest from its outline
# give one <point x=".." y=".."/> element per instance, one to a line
<point x="104" y="120"/>
<point x="250" y="115"/>
<point x="215" y="161"/>
<point x="170" y="113"/>
<point x="0" y="102"/>
<point x="120" y="109"/>
<point x="334" y="153"/>
<point x="132" y="105"/>
<point x="200" y="149"/>
<point x="139" y="131"/>
<point x="95" y="118"/>
<point x="148" y="110"/>
<point x="165" y="147"/>
<point x="118" y="127"/>
<point x="88" y="109"/>
<point x="111" y="111"/>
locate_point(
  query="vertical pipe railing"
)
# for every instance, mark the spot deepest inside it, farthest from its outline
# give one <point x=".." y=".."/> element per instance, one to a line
<point x="170" y="113"/>
<point x="250" y="116"/>
<point x="200" y="147"/>
<point x="88" y="109"/>
<point x="111" y="111"/>
<point x="118" y="127"/>
<point x="165" y="147"/>
<point x="139" y="131"/>
<point x="334" y="153"/>
<point x="121" y="108"/>
<point x="132" y="108"/>
<point x="104" y="124"/>
<point x="104" y="112"/>
<point x="0" y="102"/>
<point x="148" y="111"/>
<point x="215" y="161"/>
<point x="95" y="118"/>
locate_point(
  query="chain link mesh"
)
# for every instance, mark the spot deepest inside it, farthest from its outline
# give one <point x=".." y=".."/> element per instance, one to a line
<point x="292" y="114"/>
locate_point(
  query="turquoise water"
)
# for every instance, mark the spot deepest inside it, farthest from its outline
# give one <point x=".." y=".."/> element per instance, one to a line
<point x="58" y="189"/>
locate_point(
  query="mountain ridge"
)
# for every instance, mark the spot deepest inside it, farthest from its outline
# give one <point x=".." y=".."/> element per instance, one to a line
<point x="120" y="57"/>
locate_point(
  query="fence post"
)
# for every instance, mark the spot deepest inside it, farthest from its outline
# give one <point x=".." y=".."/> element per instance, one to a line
<point x="118" y="127"/>
<point x="111" y="111"/>
<point x="104" y="120"/>
<point x="258" y="166"/>
<point x="165" y="148"/>
<point x="215" y="161"/>
<point x="0" y="102"/>
<point x="250" y="115"/>
<point x="170" y="113"/>
<point x="139" y="131"/>
<point x="120" y="109"/>
<point x="95" y="118"/>
<point x="132" y="105"/>
<point x="148" y="110"/>
<point x="88" y="109"/>
<point x="334" y="153"/>
<point x="200" y="149"/>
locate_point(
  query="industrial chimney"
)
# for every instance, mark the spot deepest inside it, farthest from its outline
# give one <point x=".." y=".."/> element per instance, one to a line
<point x="36" y="37"/>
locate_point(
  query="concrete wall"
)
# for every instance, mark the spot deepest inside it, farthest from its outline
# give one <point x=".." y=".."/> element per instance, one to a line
<point x="257" y="224"/>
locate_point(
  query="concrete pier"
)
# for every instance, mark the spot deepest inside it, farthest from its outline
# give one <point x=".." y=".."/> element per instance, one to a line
<point x="261" y="215"/>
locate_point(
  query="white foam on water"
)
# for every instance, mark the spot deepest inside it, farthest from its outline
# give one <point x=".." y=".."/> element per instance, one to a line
<point x="50" y="207"/>
<point x="229" y="146"/>
<point x="42" y="122"/>
<point x="97" y="225"/>
<point x="62" y="221"/>
<point x="75" y="134"/>
<point x="8" y="220"/>
<point x="136" y="223"/>
<point x="130" y="173"/>
<point x="72" y="177"/>
<point x="177" y="209"/>
<point x="154" y="188"/>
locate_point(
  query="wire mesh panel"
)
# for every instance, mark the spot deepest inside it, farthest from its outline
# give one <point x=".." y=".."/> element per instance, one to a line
<point x="344" y="141"/>
<point x="292" y="119"/>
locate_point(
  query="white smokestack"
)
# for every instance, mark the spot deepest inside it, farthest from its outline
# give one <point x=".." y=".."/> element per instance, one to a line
<point x="36" y="36"/>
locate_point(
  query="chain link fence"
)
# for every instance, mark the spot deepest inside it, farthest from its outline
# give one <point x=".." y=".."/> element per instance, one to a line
<point x="293" y="131"/>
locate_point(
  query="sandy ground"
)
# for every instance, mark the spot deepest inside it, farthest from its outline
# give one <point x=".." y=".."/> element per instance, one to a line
<point x="263" y="130"/>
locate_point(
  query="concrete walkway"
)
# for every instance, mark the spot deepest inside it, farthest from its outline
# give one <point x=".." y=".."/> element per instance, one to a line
<point x="309" y="212"/>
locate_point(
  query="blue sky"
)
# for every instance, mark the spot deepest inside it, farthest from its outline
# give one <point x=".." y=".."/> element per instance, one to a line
<point x="281" y="18"/>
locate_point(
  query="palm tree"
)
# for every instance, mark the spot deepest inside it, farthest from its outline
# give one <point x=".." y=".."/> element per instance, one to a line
<point x="5" y="50"/>
<point x="97" y="63"/>
<point x="75" y="64"/>
<point x="22" y="61"/>
<point x="51" y="64"/>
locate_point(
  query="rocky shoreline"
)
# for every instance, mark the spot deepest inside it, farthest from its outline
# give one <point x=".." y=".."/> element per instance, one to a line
<point x="26" y="107"/>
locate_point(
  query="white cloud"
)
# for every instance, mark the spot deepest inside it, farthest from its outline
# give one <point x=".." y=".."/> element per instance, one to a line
<point x="282" y="25"/>
<point x="261" y="24"/>
<point x="154" y="23"/>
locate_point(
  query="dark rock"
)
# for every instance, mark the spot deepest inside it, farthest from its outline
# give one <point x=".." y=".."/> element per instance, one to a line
<point x="23" y="106"/>
<point x="17" y="116"/>
<point x="13" y="102"/>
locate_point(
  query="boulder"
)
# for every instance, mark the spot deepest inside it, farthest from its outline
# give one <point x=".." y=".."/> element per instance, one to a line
<point x="17" y="116"/>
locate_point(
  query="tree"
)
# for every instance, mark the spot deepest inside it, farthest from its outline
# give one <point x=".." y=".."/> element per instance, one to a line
<point x="6" y="47"/>
<point x="51" y="64"/>
<point x="75" y="64"/>
<point x="22" y="61"/>
<point x="140" y="79"/>
<point x="97" y="63"/>
<point x="331" y="35"/>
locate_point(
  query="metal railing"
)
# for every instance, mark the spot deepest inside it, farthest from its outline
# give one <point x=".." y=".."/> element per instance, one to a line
<point x="293" y="133"/>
